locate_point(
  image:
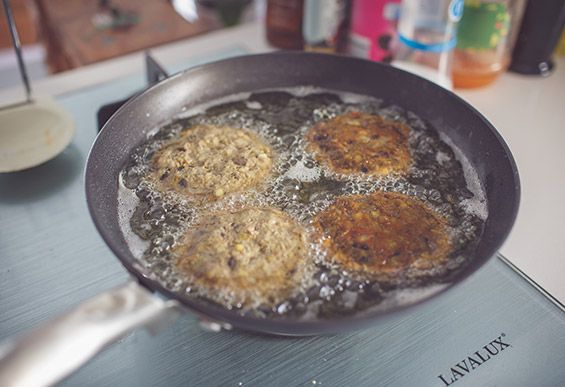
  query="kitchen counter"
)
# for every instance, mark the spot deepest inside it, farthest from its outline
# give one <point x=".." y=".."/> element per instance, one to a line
<point x="529" y="112"/>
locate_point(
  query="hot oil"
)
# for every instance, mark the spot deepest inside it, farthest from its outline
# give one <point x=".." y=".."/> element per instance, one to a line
<point x="301" y="187"/>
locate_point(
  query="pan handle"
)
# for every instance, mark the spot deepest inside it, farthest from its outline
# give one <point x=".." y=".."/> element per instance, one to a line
<point x="53" y="351"/>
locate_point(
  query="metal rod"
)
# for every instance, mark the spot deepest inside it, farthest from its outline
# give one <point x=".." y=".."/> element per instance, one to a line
<point x="18" y="48"/>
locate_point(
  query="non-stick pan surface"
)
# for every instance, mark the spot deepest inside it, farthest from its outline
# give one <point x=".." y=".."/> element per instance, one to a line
<point x="468" y="129"/>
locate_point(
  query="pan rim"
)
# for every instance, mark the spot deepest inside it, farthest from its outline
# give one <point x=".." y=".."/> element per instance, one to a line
<point x="286" y="326"/>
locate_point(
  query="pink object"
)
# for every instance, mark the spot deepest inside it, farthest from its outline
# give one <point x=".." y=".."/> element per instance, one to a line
<point x="373" y="25"/>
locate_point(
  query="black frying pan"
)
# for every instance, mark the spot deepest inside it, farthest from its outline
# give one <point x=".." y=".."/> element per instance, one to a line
<point x="135" y="305"/>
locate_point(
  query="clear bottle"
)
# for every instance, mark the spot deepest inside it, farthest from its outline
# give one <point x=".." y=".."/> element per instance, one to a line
<point x="485" y="38"/>
<point x="426" y="38"/>
<point x="323" y="25"/>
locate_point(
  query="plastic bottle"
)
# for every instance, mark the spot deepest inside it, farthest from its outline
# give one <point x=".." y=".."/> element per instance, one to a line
<point x="426" y="38"/>
<point x="485" y="39"/>
<point x="373" y="26"/>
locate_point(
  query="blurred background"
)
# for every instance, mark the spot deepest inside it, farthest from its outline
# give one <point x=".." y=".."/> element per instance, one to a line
<point x="60" y="35"/>
<point x="453" y="42"/>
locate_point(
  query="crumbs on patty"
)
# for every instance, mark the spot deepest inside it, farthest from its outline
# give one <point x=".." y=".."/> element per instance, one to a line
<point x="210" y="162"/>
<point x="384" y="236"/>
<point x="252" y="257"/>
<point x="361" y="143"/>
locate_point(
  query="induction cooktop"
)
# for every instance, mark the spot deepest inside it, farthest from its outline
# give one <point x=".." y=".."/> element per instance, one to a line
<point x="496" y="328"/>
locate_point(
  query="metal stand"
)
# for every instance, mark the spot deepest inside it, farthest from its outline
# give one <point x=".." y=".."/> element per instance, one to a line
<point x="18" y="49"/>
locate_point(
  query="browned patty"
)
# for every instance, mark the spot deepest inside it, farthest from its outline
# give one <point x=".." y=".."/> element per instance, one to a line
<point x="361" y="143"/>
<point x="383" y="235"/>
<point x="254" y="256"/>
<point x="210" y="162"/>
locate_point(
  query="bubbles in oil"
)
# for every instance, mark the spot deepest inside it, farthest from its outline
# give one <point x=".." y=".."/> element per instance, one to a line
<point x="302" y="188"/>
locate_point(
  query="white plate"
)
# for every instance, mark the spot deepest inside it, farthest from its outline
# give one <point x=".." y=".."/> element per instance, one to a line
<point x="31" y="134"/>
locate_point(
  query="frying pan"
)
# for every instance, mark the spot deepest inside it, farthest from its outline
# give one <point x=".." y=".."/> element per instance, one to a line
<point x="59" y="347"/>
